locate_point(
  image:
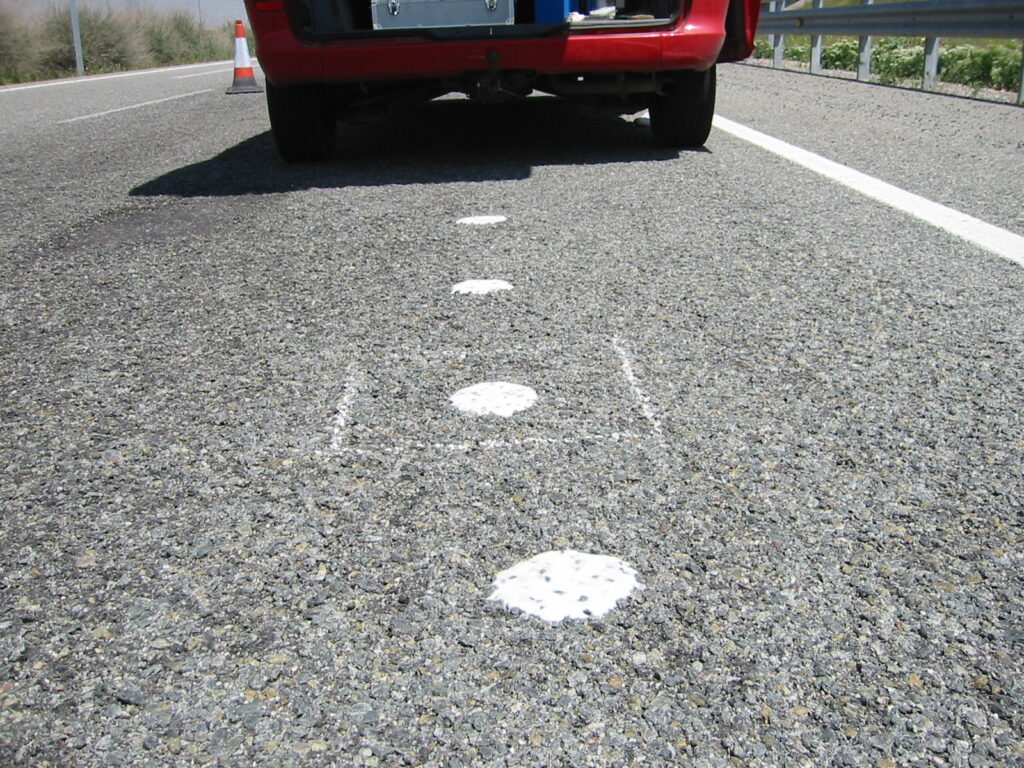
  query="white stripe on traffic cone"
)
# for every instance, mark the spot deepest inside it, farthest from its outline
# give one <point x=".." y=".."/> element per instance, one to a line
<point x="245" y="79"/>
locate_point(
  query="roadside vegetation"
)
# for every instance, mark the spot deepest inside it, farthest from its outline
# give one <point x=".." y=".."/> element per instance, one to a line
<point x="39" y="46"/>
<point x="900" y="61"/>
<point x="897" y="60"/>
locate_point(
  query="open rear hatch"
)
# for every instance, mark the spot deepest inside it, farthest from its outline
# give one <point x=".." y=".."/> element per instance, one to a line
<point x="333" y="19"/>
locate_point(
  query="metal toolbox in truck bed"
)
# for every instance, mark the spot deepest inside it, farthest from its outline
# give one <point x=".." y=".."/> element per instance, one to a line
<point x="412" y="14"/>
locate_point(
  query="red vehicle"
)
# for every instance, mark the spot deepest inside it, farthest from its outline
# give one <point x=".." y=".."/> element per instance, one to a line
<point x="331" y="60"/>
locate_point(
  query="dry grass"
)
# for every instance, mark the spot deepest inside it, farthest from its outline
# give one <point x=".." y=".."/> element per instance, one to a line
<point x="39" y="46"/>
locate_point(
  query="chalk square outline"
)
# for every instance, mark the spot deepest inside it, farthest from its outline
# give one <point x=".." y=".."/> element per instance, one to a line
<point x="347" y="401"/>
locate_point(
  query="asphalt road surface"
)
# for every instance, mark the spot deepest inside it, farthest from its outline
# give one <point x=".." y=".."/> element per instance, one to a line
<point x="245" y="524"/>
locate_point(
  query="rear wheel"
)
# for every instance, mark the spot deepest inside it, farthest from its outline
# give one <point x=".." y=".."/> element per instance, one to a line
<point x="303" y="120"/>
<point x="681" y="117"/>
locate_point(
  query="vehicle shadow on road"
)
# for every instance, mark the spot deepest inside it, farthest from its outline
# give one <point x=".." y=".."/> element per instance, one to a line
<point x="450" y="140"/>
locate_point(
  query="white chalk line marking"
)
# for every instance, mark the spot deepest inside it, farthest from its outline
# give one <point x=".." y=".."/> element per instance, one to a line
<point x="115" y="76"/>
<point x="994" y="239"/>
<point x="405" y="446"/>
<point x="343" y="410"/>
<point x="342" y="415"/>
<point x="133" y="106"/>
<point x="646" y="408"/>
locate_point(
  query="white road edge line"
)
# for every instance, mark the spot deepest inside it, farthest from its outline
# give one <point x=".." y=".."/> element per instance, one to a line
<point x="113" y="76"/>
<point x="988" y="236"/>
<point x="634" y="384"/>
<point x="132" y="106"/>
<point x="203" y="74"/>
<point x="344" y="409"/>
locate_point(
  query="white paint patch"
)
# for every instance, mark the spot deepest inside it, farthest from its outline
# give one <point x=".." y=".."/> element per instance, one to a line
<point x="481" y="287"/>
<point x="634" y="385"/>
<point x="344" y="409"/>
<point x="988" y="236"/>
<point x="494" y="398"/>
<point x="482" y="220"/>
<point x="565" y="585"/>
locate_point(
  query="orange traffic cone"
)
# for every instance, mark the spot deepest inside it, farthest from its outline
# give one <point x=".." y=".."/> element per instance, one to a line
<point x="245" y="80"/>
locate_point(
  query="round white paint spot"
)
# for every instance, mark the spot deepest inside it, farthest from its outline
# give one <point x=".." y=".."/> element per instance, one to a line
<point x="482" y="220"/>
<point x="480" y="287"/>
<point x="565" y="585"/>
<point x="494" y="398"/>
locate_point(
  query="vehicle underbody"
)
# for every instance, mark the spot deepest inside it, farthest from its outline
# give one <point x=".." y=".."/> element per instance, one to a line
<point x="361" y="60"/>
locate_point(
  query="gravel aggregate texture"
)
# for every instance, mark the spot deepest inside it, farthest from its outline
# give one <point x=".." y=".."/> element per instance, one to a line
<point x="242" y="525"/>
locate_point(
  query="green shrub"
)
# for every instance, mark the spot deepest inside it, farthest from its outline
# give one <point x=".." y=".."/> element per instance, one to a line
<point x="994" y="66"/>
<point x="41" y="46"/>
<point x="1006" y="64"/>
<point x="178" y="39"/>
<point x="106" y="42"/>
<point x="11" y="45"/>
<point x="794" y="51"/>
<point x="895" y="60"/>
<point x="798" y="51"/>
<point x="842" y="54"/>
<point x="979" y="64"/>
<point x="201" y="44"/>
<point x="962" y="64"/>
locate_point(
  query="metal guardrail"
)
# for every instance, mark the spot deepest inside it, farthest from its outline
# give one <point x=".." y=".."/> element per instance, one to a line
<point x="930" y="19"/>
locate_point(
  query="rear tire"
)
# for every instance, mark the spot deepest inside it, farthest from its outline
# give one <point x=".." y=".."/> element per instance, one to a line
<point x="304" y="122"/>
<point x="681" y="117"/>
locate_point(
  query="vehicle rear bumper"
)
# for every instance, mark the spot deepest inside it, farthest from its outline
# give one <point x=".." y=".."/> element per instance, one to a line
<point x="693" y="43"/>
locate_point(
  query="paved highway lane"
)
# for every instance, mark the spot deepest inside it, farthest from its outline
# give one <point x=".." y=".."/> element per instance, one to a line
<point x="29" y="105"/>
<point x="956" y="151"/>
<point x="72" y="149"/>
<point x="244" y="524"/>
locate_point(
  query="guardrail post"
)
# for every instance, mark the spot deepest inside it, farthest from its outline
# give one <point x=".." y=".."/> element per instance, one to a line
<point x="778" y="41"/>
<point x="864" y="53"/>
<point x="816" y="44"/>
<point x="931" y="63"/>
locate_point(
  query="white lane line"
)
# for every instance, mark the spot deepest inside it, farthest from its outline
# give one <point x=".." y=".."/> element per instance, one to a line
<point x="132" y="106"/>
<point x="481" y="221"/>
<point x="204" y="74"/>
<point x="114" y="76"/>
<point x="634" y="384"/>
<point x="343" y="410"/>
<point x="988" y="236"/>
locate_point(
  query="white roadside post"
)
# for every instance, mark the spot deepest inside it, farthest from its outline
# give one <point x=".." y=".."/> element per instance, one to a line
<point x="931" y="63"/>
<point x="1020" y="90"/>
<point x="76" y="38"/>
